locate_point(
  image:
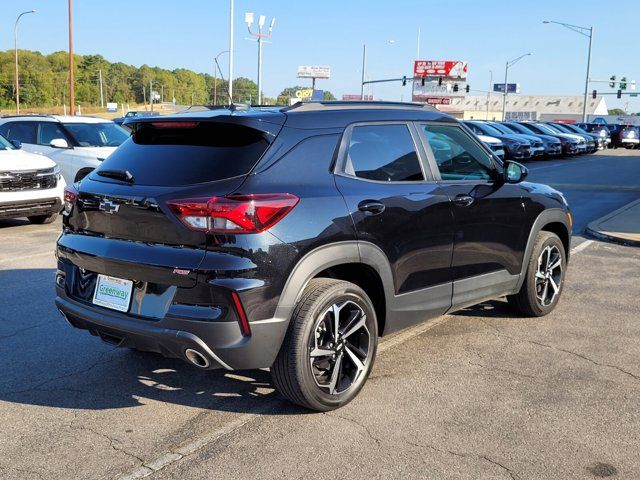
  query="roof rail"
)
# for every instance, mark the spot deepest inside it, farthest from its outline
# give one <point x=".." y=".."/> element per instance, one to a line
<point x="13" y="115"/>
<point x="349" y="105"/>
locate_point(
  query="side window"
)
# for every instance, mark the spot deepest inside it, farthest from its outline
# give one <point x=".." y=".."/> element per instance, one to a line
<point x="384" y="153"/>
<point x="49" y="131"/>
<point x="457" y="155"/>
<point x="24" y="132"/>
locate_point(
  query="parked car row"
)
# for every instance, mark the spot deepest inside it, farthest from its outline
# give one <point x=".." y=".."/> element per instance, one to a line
<point x="538" y="140"/>
<point x="41" y="154"/>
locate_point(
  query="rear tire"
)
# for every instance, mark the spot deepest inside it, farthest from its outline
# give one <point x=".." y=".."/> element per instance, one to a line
<point x="43" y="219"/>
<point x="544" y="278"/>
<point x="319" y="366"/>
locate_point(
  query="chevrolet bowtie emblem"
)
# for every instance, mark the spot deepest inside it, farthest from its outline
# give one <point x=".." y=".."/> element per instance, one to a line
<point x="108" y="206"/>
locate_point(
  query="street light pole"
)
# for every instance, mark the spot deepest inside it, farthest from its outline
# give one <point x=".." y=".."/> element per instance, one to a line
<point x="231" y="15"/>
<point x="364" y="68"/>
<point x="508" y="64"/>
<point x="489" y="93"/>
<point x="15" y="47"/>
<point x="582" y="31"/>
<point x="72" y="93"/>
<point x="248" y="18"/>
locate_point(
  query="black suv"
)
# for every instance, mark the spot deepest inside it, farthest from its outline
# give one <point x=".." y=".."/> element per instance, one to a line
<point x="293" y="238"/>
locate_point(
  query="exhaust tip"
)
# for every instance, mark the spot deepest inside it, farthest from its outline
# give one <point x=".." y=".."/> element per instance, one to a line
<point x="196" y="358"/>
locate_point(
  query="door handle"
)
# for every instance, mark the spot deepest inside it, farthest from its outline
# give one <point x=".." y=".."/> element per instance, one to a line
<point x="463" y="200"/>
<point x="372" y="206"/>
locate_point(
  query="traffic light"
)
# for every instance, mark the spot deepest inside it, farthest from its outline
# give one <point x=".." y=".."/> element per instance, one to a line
<point x="619" y="94"/>
<point x="455" y="87"/>
<point x="422" y="82"/>
<point x="404" y="81"/>
<point x="594" y="94"/>
<point x="467" y="89"/>
<point x="612" y="83"/>
<point x="439" y="81"/>
<point x="623" y="83"/>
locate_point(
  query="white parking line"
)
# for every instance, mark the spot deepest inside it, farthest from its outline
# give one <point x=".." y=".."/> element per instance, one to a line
<point x="168" y="458"/>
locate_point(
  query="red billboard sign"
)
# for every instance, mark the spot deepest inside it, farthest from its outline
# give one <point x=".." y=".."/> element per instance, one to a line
<point x="440" y="68"/>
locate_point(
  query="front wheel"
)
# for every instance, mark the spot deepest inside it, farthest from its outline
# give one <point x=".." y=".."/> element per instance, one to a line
<point x="544" y="279"/>
<point x="329" y="348"/>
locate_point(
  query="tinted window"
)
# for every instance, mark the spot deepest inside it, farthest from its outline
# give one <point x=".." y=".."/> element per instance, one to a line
<point x="24" y="132"/>
<point x="49" y="131"/>
<point x="383" y="152"/>
<point x="97" y="134"/>
<point x="457" y="155"/>
<point x="195" y="152"/>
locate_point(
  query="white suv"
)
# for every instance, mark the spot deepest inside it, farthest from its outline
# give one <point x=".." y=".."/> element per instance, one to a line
<point x="30" y="185"/>
<point x="77" y="144"/>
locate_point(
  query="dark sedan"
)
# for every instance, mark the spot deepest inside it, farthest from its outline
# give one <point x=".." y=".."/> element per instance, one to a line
<point x="570" y="144"/>
<point x="552" y="145"/>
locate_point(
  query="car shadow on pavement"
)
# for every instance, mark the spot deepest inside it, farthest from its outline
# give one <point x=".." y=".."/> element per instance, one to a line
<point x="490" y="309"/>
<point x="46" y="362"/>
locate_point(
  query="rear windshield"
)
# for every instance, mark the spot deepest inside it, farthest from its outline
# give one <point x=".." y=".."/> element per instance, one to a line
<point x="184" y="153"/>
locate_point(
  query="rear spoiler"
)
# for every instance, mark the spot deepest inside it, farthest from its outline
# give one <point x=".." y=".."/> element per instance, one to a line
<point x="269" y="124"/>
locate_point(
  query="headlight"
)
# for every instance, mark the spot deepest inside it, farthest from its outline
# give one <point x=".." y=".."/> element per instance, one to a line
<point x="603" y="133"/>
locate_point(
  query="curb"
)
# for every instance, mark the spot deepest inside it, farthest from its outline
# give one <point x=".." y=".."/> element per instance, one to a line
<point x="593" y="228"/>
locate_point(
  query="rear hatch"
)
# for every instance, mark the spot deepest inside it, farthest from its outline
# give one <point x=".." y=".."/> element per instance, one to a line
<point x="121" y="212"/>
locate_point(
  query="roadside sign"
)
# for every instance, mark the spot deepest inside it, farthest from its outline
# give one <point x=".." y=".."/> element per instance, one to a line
<point x="112" y="107"/>
<point x="357" y="98"/>
<point x="435" y="100"/>
<point x="440" y="68"/>
<point x="304" y="94"/>
<point x="314" y="71"/>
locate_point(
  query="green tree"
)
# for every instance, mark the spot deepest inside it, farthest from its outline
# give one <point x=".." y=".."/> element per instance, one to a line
<point x="616" y="111"/>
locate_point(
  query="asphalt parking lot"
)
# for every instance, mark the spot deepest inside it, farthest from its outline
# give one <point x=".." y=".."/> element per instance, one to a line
<point x="477" y="394"/>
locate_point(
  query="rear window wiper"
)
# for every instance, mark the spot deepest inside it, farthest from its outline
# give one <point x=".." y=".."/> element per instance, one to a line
<point x="123" y="175"/>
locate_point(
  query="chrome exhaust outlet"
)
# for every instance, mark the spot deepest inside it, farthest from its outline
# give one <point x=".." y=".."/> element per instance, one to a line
<point x="196" y="358"/>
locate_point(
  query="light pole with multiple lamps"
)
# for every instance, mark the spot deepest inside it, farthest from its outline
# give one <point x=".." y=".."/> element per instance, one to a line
<point x="248" y="18"/>
<point x="509" y="64"/>
<point x="15" y="47"/>
<point x="587" y="32"/>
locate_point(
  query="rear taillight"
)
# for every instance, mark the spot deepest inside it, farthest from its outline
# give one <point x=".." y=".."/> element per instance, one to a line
<point x="70" y="197"/>
<point x="235" y="213"/>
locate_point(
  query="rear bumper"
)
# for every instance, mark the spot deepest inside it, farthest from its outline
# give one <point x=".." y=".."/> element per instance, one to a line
<point x="29" y="208"/>
<point x="221" y="343"/>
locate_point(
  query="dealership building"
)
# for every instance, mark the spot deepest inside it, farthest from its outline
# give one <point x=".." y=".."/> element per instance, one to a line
<point x="524" y="107"/>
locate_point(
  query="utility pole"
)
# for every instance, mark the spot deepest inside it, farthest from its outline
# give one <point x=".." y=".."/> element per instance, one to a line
<point x="151" y="94"/>
<point x="72" y="93"/>
<point x="15" y="47"/>
<point x="248" y="18"/>
<point x="100" y="84"/>
<point x="231" y="14"/>
<point x="161" y="93"/>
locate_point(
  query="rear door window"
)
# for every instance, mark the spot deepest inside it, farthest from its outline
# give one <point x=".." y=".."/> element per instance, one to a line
<point x="384" y="153"/>
<point x="24" y="132"/>
<point x="185" y="153"/>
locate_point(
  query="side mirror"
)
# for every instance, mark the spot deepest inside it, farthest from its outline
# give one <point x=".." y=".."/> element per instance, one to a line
<point x="17" y="144"/>
<point x="514" y="172"/>
<point x="59" y="143"/>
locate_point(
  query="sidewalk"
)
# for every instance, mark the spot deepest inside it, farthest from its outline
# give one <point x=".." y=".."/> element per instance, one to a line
<point x="620" y="226"/>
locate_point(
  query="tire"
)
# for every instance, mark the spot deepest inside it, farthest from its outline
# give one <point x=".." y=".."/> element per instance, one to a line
<point x="43" y="219"/>
<point x="307" y="380"/>
<point x="538" y="296"/>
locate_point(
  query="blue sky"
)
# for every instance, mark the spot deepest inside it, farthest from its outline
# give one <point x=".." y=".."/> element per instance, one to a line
<point x="189" y="33"/>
